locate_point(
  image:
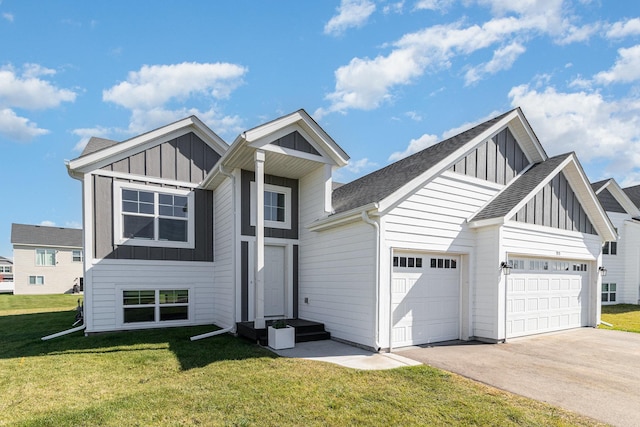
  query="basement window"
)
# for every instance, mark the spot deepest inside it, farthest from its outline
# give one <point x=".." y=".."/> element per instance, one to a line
<point x="155" y="305"/>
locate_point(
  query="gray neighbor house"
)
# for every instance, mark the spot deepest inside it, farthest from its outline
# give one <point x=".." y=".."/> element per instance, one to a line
<point x="481" y="236"/>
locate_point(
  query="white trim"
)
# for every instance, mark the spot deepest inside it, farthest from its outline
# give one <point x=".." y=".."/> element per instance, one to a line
<point x="119" y="306"/>
<point x="118" y="186"/>
<point x="144" y="178"/>
<point x="149" y="263"/>
<point x="286" y="225"/>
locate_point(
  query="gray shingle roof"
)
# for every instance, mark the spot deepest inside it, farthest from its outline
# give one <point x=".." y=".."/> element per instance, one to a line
<point x="634" y="194"/>
<point x="97" y="144"/>
<point x="520" y="188"/>
<point x="377" y="185"/>
<point x="23" y="234"/>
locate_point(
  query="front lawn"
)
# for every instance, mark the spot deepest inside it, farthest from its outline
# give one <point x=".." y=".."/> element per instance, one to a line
<point x="623" y="317"/>
<point x="159" y="377"/>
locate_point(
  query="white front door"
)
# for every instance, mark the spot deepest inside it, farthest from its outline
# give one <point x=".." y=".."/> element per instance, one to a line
<point x="274" y="281"/>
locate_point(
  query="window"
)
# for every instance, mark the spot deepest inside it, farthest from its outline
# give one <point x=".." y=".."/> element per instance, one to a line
<point x="277" y="206"/>
<point x="36" y="280"/>
<point x="609" y="292"/>
<point x="443" y="263"/>
<point x="155" y="305"/>
<point x="610" y="248"/>
<point x="77" y="255"/>
<point x="5" y="269"/>
<point x="407" y="262"/>
<point x="45" y="257"/>
<point x="151" y="216"/>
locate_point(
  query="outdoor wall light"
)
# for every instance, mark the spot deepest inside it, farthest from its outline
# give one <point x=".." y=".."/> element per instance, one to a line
<point x="506" y="268"/>
<point x="602" y="271"/>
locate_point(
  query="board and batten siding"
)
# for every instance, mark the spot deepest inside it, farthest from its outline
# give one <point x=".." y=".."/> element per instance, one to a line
<point x="557" y="206"/>
<point x="103" y="239"/>
<point x="186" y="158"/>
<point x="435" y="217"/>
<point x="107" y="275"/>
<point x="336" y="269"/>
<point x="224" y="254"/>
<point x="498" y="159"/>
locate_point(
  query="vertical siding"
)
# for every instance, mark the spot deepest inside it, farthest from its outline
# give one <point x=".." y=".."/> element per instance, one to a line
<point x="557" y="206"/>
<point x="336" y="270"/>
<point x="499" y="159"/>
<point x="224" y="254"/>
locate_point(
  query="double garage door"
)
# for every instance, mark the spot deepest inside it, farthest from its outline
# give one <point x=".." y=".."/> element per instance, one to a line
<point x="542" y="296"/>
<point x="425" y="298"/>
<point x="546" y="295"/>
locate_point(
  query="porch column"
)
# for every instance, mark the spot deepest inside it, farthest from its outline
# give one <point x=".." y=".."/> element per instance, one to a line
<point x="259" y="258"/>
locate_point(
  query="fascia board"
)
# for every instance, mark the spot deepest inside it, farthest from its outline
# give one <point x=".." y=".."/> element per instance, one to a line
<point x="211" y="181"/>
<point x="264" y="143"/>
<point x="487" y="222"/>
<point x="343" y="218"/>
<point x="622" y="198"/>
<point x="531" y="136"/>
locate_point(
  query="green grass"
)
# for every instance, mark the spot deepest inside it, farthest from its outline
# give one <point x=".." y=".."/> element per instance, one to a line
<point x="159" y="377"/>
<point x="623" y="317"/>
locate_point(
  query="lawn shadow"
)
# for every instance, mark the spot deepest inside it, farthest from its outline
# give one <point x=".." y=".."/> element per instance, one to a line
<point x="21" y="337"/>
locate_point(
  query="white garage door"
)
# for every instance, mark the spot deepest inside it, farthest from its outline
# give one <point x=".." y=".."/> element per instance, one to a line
<point x="546" y="295"/>
<point x="425" y="298"/>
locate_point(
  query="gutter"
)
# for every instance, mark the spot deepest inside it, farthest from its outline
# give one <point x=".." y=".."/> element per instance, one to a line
<point x="376" y="226"/>
<point x="233" y="280"/>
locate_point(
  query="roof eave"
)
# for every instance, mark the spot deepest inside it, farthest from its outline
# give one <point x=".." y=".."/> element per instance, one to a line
<point x="343" y="218"/>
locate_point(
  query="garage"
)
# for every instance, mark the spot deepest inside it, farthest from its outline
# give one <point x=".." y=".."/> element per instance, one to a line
<point x="546" y="295"/>
<point x="425" y="298"/>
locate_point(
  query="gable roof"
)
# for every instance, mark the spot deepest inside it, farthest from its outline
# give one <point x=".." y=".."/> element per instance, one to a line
<point x="614" y="199"/>
<point x="634" y="194"/>
<point x="102" y="151"/>
<point x="5" y="260"/>
<point x="380" y="184"/>
<point x="24" y="234"/>
<point x="505" y="201"/>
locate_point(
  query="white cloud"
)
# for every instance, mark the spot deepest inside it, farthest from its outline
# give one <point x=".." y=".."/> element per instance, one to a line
<point x="623" y="29"/>
<point x="599" y="130"/>
<point x="503" y="59"/>
<point x="414" y="146"/>
<point x="625" y="70"/>
<point x="47" y="223"/>
<point x="8" y="16"/>
<point x="397" y="7"/>
<point x="438" y="5"/>
<point x="18" y="128"/>
<point x="358" y="166"/>
<point x="29" y="91"/>
<point x="85" y="135"/>
<point x="416" y="117"/>
<point x="155" y="85"/>
<point x="351" y="14"/>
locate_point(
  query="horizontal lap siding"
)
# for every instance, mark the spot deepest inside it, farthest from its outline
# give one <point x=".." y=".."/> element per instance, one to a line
<point x="434" y="218"/>
<point x="485" y="292"/>
<point x="223" y="285"/>
<point x="336" y="270"/>
<point x="550" y="242"/>
<point x="631" y="244"/>
<point x="615" y="264"/>
<point x="106" y="276"/>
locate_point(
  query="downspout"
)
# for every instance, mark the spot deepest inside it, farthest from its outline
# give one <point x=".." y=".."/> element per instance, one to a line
<point x="233" y="280"/>
<point x="376" y="226"/>
<point x="59" y="334"/>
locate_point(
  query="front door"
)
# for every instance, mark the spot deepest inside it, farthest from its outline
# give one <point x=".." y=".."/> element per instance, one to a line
<point x="274" y="281"/>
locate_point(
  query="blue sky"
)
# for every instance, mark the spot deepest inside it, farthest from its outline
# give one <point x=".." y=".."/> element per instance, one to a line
<point x="383" y="78"/>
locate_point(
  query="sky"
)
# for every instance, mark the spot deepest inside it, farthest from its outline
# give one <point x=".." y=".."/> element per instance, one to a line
<point x="384" y="78"/>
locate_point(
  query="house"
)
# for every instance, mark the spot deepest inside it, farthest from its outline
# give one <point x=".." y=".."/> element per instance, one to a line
<point x="620" y="259"/>
<point x="47" y="260"/>
<point x="480" y="236"/>
<point x="6" y="275"/>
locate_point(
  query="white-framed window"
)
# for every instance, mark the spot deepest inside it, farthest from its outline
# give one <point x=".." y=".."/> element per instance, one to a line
<point x="153" y="216"/>
<point x="609" y="292"/>
<point x="443" y="263"/>
<point x="146" y="305"/>
<point x="5" y="269"/>
<point x="36" y="280"/>
<point x="277" y="206"/>
<point x="45" y="257"/>
<point x="610" y="248"/>
<point x="76" y="255"/>
<point x="407" y="262"/>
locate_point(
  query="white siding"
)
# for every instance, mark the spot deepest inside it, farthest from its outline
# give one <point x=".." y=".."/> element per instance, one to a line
<point x="107" y="275"/>
<point x="527" y="239"/>
<point x="223" y="285"/>
<point x="485" y="288"/>
<point x="629" y="245"/>
<point x="336" y="270"/>
<point x="434" y="217"/>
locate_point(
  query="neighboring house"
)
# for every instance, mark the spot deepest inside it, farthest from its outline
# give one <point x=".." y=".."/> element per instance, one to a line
<point x="183" y="229"/>
<point x="621" y="285"/>
<point x="47" y="260"/>
<point x="6" y="275"/>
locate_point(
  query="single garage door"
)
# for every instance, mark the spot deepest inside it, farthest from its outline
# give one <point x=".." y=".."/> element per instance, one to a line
<point x="546" y="295"/>
<point x="425" y="298"/>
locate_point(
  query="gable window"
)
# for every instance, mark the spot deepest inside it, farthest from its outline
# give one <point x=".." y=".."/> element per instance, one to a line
<point x="609" y="292"/>
<point x="36" y="280"/>
<point x="45" y="257"/>
<point x="610" y="248"/>
<point x="155" y="305"/>
<point x="153" y="216"/>
<point x="277" y="206"/>
<point x="76" y="255"/>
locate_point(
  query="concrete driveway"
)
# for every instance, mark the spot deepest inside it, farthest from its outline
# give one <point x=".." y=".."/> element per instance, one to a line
<point x="593" y="372"/>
